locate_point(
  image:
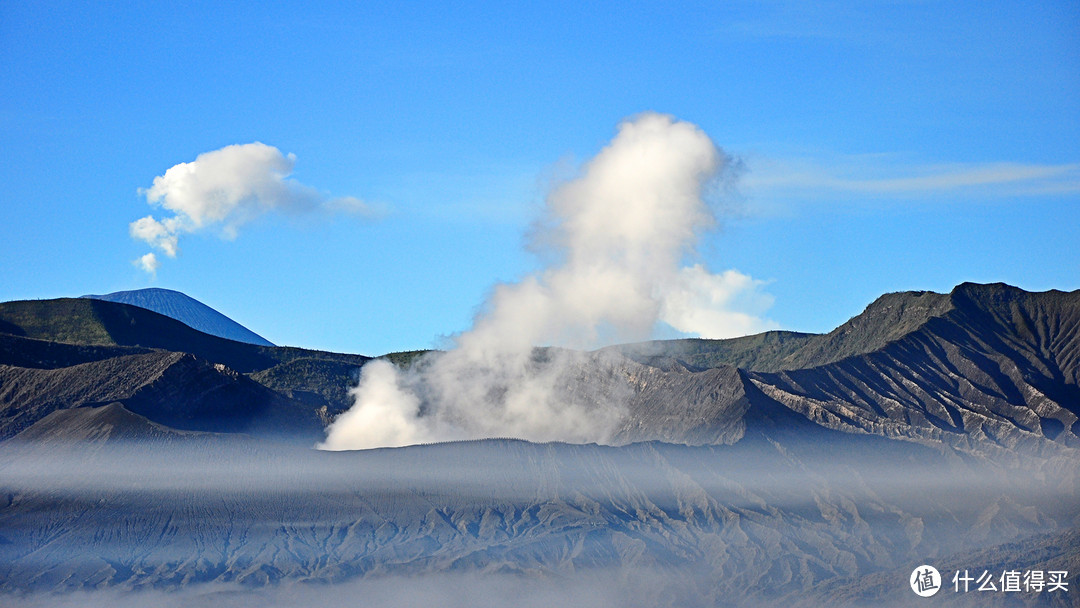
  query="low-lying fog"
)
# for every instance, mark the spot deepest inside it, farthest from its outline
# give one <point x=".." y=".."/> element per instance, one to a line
<point x="499" y="522"/>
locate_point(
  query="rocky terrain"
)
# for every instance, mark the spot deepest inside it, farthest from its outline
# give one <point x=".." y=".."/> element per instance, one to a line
<point x="779" y="469"/>
<point x="988" y="369"/>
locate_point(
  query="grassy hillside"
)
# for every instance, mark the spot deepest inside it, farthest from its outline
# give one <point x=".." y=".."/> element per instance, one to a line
<point x="68" y="320"/>
<point x="100" y="323"/>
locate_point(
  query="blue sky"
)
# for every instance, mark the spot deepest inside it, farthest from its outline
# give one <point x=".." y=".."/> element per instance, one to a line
<point x="885" y="146"/>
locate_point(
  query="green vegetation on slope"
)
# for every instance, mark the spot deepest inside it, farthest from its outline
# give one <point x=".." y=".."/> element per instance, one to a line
<point x="67" y="320"/>
<point x="405" y="358"/>
<point x="757" y="352"/>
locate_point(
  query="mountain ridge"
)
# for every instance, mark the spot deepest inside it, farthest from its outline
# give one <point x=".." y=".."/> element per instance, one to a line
<point x="982" y="368"/>
<point x="990" y="370"/>
<point x="967" y="373"/>
<point x="925" y="433"/>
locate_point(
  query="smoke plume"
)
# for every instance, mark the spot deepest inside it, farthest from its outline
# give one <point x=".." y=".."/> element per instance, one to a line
<point x="618" y="235"/>
<point x="225" y="189"/>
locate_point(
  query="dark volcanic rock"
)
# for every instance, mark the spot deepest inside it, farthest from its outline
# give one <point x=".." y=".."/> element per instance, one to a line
<point x="707" y="407"/>
<point x="44" y="354"/>
<point x="988" y="369"/>
<point x="998" y="369"/>
<point x="174" y="389"/>
<point x="111" y="422"/>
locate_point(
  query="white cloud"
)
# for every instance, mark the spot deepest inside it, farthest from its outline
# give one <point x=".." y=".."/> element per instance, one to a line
<point x="227" y="188"/>
<point x="158" y="234"/>
<point x="148" y="263"/>
<point x="722" y="305"/>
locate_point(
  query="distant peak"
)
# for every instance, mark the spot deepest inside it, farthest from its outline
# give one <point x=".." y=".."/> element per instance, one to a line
<point x="187" y="310"/>
<point x="145" y="291"/>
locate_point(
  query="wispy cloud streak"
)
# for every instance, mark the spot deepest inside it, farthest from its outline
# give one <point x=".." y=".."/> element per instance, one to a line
<point x="873" y="176"/>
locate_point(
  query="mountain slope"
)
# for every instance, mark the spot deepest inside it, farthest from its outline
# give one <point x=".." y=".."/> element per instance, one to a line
<point x="998" y="367"/>
<point x="986" y="368"/>
<point x="98" y="322"/>
<point x="107" y="423"/>
<point x="888" y="318"/>
<point x="187" y="310"/>
<point x="52" y="333"/>
<point x="178" y="390"/>
<point x="89" y="322"/>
